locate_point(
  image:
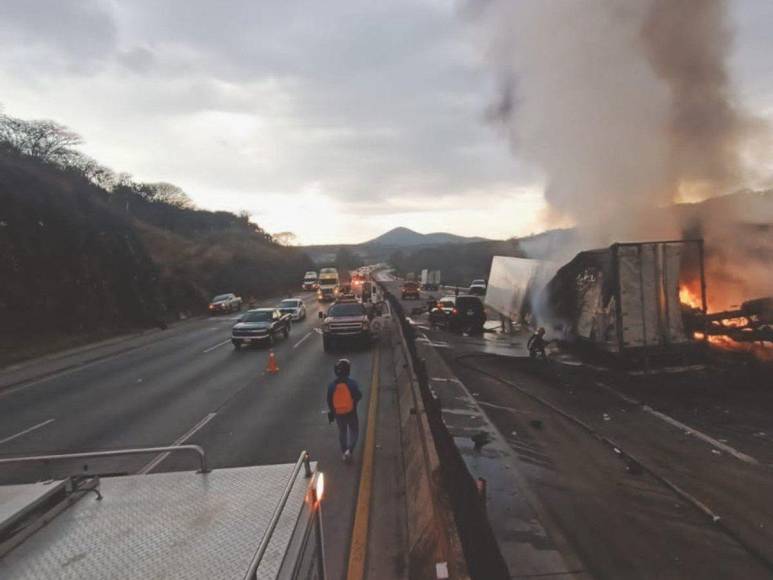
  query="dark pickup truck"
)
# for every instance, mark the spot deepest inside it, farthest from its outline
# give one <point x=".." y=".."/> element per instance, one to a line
<point x="346" y="320"/>
<point x="260" y="326"/>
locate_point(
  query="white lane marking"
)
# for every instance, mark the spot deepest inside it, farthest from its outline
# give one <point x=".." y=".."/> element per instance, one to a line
<point x="707" y="438"/>
<point x="218" y="345"/>
<point x="179" y="441"/>
<point x="308" y="334"/>
<point x="27" y="430"/>
<point x="500" y="407"/>
<point x="679" y="425"/>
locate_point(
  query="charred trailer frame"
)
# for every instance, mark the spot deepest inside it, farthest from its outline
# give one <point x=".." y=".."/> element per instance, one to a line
<point x="625" y="299"/>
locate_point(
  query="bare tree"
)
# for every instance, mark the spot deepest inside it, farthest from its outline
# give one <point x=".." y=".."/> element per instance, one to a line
<point x="285" y="238"/>
<point x="44" y="139"/>
<point x="99" y="175"/>
<point x="163" y="192"/>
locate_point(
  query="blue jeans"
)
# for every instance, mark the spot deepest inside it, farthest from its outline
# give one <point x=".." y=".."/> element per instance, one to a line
<point x="348" y="431"/>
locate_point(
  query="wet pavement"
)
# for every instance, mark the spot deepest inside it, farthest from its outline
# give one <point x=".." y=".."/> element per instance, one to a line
<point x="564" y="499"/>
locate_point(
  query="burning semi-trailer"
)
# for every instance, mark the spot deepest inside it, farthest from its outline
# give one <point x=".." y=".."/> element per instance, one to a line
<point x="624" y="299"/>
<point x="640" y="300"/>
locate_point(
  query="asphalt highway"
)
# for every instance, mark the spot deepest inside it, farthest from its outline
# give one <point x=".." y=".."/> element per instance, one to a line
<point x="191" y="386"/>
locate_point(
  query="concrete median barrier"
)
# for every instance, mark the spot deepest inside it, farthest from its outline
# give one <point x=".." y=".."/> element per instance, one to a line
<point x="448" y="532"/>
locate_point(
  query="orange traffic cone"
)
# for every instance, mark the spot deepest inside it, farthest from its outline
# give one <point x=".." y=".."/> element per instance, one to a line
<point x="272" y="367"/>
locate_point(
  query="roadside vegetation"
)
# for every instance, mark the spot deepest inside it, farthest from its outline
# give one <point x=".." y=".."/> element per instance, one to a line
<point x="86" y="252"/>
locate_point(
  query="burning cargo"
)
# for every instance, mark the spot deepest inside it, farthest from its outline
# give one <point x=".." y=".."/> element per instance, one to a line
<point x="625" y="299"/>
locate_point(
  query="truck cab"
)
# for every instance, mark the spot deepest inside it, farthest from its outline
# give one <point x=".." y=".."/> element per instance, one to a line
<point x="327" y="286"/>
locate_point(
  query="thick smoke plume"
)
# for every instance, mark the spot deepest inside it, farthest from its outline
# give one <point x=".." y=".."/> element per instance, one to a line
<point x="626" y="106"/>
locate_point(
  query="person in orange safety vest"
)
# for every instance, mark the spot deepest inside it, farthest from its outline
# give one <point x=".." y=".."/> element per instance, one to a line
<point x="343" y="394"/>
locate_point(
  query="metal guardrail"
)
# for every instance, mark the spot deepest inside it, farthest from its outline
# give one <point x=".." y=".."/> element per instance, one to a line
<point x="303" y="461"/>
<point x="111" y="453"/>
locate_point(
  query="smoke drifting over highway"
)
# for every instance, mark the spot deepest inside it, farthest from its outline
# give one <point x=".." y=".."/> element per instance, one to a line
<point x="626" y="106"/>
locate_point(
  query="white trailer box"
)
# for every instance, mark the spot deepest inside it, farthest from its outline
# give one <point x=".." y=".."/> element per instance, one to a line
<point x="513" y="281"/>
<point x="625" y="297"/>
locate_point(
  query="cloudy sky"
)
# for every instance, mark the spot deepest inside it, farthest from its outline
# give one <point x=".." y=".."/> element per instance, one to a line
<point x="335" y="120"/>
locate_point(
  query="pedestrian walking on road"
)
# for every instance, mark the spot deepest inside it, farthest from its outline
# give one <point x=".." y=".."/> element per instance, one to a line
<point x="343" y="394"/>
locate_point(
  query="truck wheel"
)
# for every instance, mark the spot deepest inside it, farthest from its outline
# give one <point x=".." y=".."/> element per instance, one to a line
<point x="237" y="344"/>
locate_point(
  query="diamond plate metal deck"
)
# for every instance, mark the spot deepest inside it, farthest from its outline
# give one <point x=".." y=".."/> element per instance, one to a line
<point x="168" y="525"/>
<point x="16" y="499"/>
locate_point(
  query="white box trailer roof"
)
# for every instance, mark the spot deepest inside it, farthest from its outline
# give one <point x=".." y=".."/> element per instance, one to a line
<point x="178" y="525"/>
<point x="512" y="281"/>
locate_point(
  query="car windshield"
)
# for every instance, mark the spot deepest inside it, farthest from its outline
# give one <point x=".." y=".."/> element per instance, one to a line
<point x="221" y="297"/>
<point x="288" y="304"/>
<point x="353" y="309"/>
<point x="410" y="284"/>
<point x="258" y="316"/>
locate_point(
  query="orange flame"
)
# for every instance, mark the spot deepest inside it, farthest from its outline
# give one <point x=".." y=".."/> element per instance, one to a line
<point x="689" y="298"/>
<point x="692" y="299"/>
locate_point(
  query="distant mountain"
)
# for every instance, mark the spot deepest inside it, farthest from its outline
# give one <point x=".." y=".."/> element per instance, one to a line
<point x="404" y="237"/>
